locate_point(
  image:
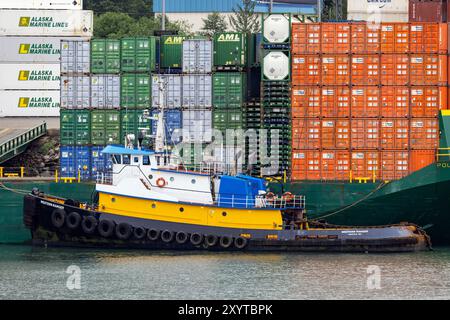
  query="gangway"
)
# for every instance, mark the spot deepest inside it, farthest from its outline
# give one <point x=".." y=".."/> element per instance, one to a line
<point x="15" y="141"/>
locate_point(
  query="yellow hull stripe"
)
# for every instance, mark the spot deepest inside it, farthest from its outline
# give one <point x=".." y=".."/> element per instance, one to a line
<point x="190" y="214"/>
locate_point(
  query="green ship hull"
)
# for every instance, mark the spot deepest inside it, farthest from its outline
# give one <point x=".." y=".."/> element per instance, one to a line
<point x="422" y="198"/>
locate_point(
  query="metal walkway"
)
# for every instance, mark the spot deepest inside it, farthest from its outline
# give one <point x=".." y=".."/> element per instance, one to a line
<point x="15" y="141"/>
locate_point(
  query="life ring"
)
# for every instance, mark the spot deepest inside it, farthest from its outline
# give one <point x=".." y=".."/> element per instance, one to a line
<point x="160" y="182"/>
<point x="270" y="196"/>
<point x="288" y="196"/>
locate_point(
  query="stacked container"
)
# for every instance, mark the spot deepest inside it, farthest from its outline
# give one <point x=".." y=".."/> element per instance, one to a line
<point x="30" y="54"/>
<point x="276" y="94"/>
<point x="366" y="98"/>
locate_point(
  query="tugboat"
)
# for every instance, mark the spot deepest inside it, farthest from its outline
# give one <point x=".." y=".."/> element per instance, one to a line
<point x="150" y="200"/>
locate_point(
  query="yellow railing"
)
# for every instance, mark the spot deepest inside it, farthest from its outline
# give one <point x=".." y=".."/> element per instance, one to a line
<point x="12" y="173"/>
<point x="439" y="154"/>
<point x="67" y="179"/>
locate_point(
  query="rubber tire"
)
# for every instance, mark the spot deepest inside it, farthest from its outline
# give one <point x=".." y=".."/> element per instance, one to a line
<point x="181" y="237"/>
<point x="108" y="232"/>
<point x="124" y="231"/>
<point x="73" y="220"/>
<point x="58" y="218"/>
<point x="196" y="239"/>
<point x="167" y="236"/>
<point x="225" y="242"/>
<point x="153" y="235"/>
<point x="211" y="240"/>
<point x="89" y="224"/>
<point x="240" y="242"/>
<point x="139" y="233"/>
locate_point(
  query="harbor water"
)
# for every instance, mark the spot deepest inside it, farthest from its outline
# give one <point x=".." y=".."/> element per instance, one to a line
<point x="61" y="273"/>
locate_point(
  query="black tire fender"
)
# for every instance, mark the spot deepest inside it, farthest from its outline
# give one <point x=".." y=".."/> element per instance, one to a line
<point x="89" y="224"/>
<point x="139" y="233"/>
<point x="58" y="218"/>
<point x="106" y="228"/>
<point x="167" y="236"/>
<point x="240" y="242"/>
<point x="73" y="220"/>
<point x="181" y="237"/>
<point x="124" y="231"/>
<point x="153" y="234"/>
<point x="211" y="240"/>
<point x="196" y="239"/>
<point x="226" y="242"/>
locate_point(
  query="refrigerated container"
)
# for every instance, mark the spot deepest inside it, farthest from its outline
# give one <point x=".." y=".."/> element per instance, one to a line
<point x="29" y="103"/>
<point x="197" y="91"/>
<point x="29" y="76"/>
<point x="75" y="92"/>
<point x="105" y="91"/>
<point x="42" y="4"/>
<point x="75" y="56"/>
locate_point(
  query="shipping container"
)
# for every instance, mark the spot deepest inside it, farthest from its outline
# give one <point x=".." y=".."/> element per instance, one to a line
<point x="173" y="90"/>
<point x="428" y="38"/>
<point x="197" y="91"/>
<point x="228" y="90"/>
<point x="137" y="122"/>
<point x="136" y="91"/>
<point x="424" y="134"/>
<point x="365" y="38"/>
<point x="230" y="49"/>
<point x="306" y="102"/>
<point x="428" y="101"/>
<point x="67" y="162"/>
<point x="335" y="70"/>
<point x="105" y="127"/>
<point x="75" y="56"/>
<point x="75" y="127"/>
<point x="306" y="70"/>
<point x="173" y="125"/>
<point x="394" y="37"/>
<point x="335" y="102"/>
<point x="394" y="134"/>
<point x="138" y="54"/>
<point x="365" y="102"/>
<point x="365" y="70"/>
<point x="394" y="165"/>
<point x="31" y="49"/>
<point x="335" y="38"/>
<point x="381" y="7"/>
<point x="171" y="48"/>
<point x="83" y="162"/>
<point x="306" y="133"/>
<point x="365" y="134"/>
<point x="306" y="165"/>
<point x="306" y="38"/>
<point x="276" y="66"/>
<point x="395" y="69"/>
<point x="276" y="28"/>
<point x="197" y="126"/>
<point x="377" y="18"/>
<point x="29" y="103"/>
<point x="105" y="56"/>
<point x="75" y="92"/>
<point x="420" y="159"/>
<point x="15" y="76"/>
<point x="100" y="163"/>
<point x="227" y="119"/>
<point x="428" y="69"/>
<point x="335" y="134"/>
<point x="197" y="56"/>
<point x="105" y="91"/>
<point x="365" y="164"/>
<point x="428" y="10"/>
<point x="395" y="101"/>
<point x="42" y="4"/>
<point x="52" y="23"/>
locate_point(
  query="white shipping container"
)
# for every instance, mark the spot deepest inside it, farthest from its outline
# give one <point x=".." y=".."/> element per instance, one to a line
<point x="378" y="6"/>
<point x="31" y="49"/>
<point x="15" y="76"/>
<point x="66" y="23"/>
<point x="28" y="103"/>
<point x="42" y="4"/>
<point x="385" y="17"/>
<point x="197" y="126"/>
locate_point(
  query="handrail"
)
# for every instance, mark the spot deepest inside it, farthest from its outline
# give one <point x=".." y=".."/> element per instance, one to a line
<point x="439" y="155"/>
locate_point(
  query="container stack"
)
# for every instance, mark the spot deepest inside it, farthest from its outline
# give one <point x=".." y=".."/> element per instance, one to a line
<point x="366" y="98"/>
<point x="276" y="97"/>
<point x="30" y="36"/>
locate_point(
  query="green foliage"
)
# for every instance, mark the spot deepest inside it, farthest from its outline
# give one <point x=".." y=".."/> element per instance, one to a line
<point x="244" y="18"/>
<point x="134" y="8"/>
<point x="214" y="23"/>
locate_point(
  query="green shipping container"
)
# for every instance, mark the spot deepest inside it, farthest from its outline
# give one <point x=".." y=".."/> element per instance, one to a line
<point x="134" y="122"/>
<point x="138" y="54"/>
<point x="171" y="48"/>
<point x="105" y="56"/>
<point x="98" y="120"/>
<point x="75" y="127"/>
<point x="135" y="91"/>
<point x="230" y="49"/>
<point x="112" y="127"/>
<point x="228" y="90"/>
<point x="227" y="119"/>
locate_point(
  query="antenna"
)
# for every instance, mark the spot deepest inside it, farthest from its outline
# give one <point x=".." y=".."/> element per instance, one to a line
<point x="160" y="129"/>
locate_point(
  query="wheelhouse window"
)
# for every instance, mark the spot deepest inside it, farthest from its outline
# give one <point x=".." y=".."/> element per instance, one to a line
<point x="126" y="159"/>
<point x="136" y="159"/>
<point x="116" y="159"/>
<point x="146" y="160"/>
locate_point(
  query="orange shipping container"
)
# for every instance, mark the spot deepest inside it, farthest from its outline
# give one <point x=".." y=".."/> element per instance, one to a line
<point x="428" y="38"/>
<point x="421" y="158"/>
<point x="394" y="165"/>
<point x="365" y="102"/>
<point x="365" y="38"/>
<point x="424" y="134"/>
<point x="305" y="102"/>
<point x="306" y="165"/>
<point x="365" y="134"/>
<point x="335" y="70"/>
<point x="394" y="102"/>
<point x="306" y="70"/>
<point x="335" y="38"/>
<point x="394" y="134"/>
<point x="427" y="101"/>
<point x="306" y="134"/>
<point x="365" y="70"/>
<point x="335" y="165"/>
<point x="306" y="38"/>
<point x="394" y="37"/>
<point x="335" y="134"/>
<point x="394" y="69"/>
<point x="365" y="164"/>
<point x="335" y="102"/>
<point x="428" y="69"/>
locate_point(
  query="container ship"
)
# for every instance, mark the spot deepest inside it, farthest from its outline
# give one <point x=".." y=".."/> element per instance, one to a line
<point x="360" y="112"/>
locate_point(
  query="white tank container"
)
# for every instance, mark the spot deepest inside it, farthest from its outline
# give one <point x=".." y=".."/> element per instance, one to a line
<point x="54" y="23"/>
<point x="29" y="103"/>
<point x="276" y="28"/>
<point x="276" y="65"/>
<point x="16" y="76"/>
<point x="31" y="49"/>
<point x="378" y="10"/>
<point x="42" y="4"/>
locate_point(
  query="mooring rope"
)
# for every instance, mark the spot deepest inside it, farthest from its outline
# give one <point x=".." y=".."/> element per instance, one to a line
<point x="18" y="191"/>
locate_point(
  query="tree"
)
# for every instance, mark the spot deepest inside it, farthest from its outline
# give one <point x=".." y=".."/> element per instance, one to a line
<point x="244" y="18"/>
<point x="214" y="23"/>
<point x="134" y="8"/>
<point x="113" y="25"/>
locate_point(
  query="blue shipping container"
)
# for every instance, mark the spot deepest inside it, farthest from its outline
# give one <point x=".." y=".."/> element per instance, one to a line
<point x="67" y="162"/>
<point x="83" y="162"/>
<point x="173" y="121"/>
<point x="100" y="162"/>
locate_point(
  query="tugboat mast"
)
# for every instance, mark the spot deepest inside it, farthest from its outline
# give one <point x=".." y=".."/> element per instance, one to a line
<point x="160" y="139"/>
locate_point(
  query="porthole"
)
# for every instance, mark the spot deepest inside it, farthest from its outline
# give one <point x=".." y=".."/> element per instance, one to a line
<point x="193" y="181"/>
<point x="172" y="179"/>
<point x="113" y="200"/>
<point x="224" y="214"/>
<point x="153" y="205"/>
<point x="150" y="176"/>
<point x="181" y="209"/>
